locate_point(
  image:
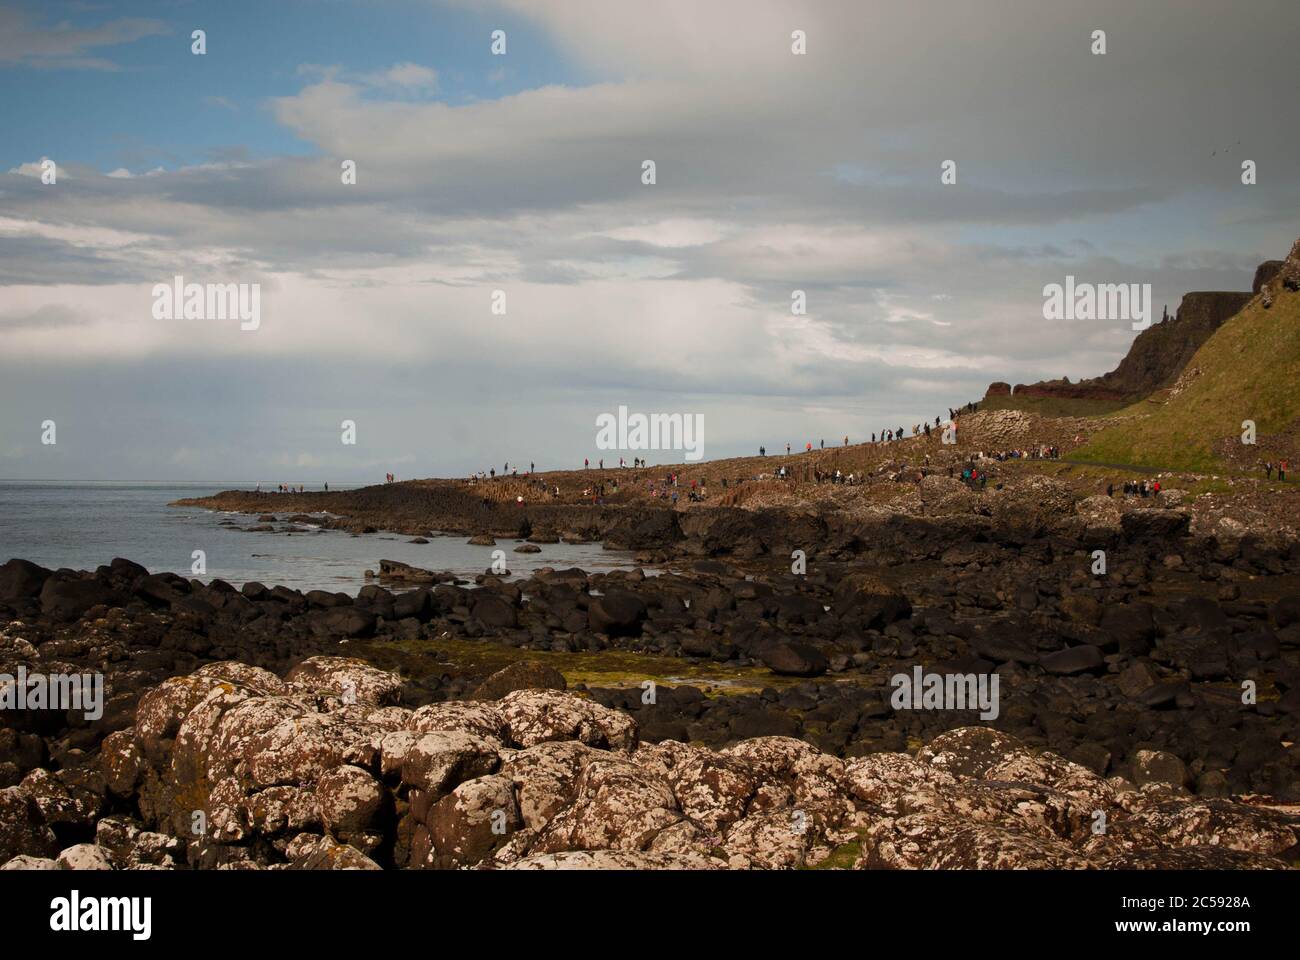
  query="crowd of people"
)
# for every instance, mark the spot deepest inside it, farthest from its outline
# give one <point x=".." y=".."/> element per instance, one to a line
<point x="1145" y="489"/>
<point x="670" y="486"/>
<point x="1041" y="452"/>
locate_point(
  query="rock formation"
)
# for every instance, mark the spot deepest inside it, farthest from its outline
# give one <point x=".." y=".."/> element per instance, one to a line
<point x="233" y="767"/>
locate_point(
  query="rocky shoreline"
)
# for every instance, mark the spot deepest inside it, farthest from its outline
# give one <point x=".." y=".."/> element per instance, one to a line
<point x="264" y="772"/>
<point x="1163" y="692"/>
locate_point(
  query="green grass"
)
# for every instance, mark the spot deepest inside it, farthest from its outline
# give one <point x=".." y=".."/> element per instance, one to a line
<point x="1250" y="370"/>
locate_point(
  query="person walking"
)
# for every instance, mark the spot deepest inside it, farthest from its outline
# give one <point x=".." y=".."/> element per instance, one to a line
<point x="1282" y="469"/>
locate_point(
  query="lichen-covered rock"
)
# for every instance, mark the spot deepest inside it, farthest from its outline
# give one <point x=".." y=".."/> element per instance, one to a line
<point x="617" y="805"/>
<point x="84" y="856"/>
<point x="348" y="798"/>
<point x="25" y="862"/>
<point x="713" y="790"/>
<point x="234" y="768"/>
<point x="939" y="841"/>
<point x="161" y="711"/>
<point x="967" y="751"/>
<point x="537" y="716"/>
<point x="349" y="679"/>
<point x="60" y="802"/>
<point x="23" y="831"/>
<point x="122" y="761"/>
<point x="613" y="860"/>
<point x="469" y="824"/>
<point x="1195" y="858"/>
<point x="255" y="679"/>
<point x="129" y="846"/>
<point x="775" y="839"/>
<point x="545" y="778"/>
<point x="325" y="853"/>
<point x="1208" y="822"/>
<point x="793" y="766"/>
<point x="438" y="762"/>
<point x="897" y="784"/>
<point x="466" y="716"/>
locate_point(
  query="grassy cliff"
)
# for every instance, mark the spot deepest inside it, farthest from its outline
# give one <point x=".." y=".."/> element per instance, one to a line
<point x="1248" y="370"/>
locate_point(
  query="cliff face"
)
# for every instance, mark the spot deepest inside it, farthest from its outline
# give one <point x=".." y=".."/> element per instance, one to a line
<point x="1157" y="355"/>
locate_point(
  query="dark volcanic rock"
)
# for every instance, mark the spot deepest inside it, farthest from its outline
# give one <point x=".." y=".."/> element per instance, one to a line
<point x="618" y="613"/>
<point x="68" y="597"/>
<point x="1081" y="659"/>
<point x="493" y="611"/>
<point x="794" y="659"/>
<point x="21" y="579"/>
<point x="866" y="596"/>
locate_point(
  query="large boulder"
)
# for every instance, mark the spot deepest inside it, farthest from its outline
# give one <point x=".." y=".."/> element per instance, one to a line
<point x="68" y="598"/>
<point x="21" y="580"/>
<point x="618" y="613"/>
<point x="867" y="597"/>
<point x="520" y="675"/>
<point x="794" y="659"/>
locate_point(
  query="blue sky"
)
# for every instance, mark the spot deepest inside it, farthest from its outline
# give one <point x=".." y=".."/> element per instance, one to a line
<point x="522" y="174"/>
<point x="162" y="106"/>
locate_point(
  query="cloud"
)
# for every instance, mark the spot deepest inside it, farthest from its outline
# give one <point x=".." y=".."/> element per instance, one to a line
<point x="64" y="46"/>
<point x="406" y="76"/>
<point x="775" y="173"/>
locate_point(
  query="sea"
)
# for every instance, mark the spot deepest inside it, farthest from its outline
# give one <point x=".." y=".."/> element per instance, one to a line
<point x="84" y="524"/>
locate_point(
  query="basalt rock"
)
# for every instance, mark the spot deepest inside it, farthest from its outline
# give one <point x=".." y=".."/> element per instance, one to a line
<point x="291" y="776"/>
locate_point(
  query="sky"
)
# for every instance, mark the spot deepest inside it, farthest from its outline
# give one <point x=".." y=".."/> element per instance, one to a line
<point x="481" y="174"/>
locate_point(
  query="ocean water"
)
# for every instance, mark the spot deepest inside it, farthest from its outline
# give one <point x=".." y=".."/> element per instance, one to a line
<point x="83" y="525"/>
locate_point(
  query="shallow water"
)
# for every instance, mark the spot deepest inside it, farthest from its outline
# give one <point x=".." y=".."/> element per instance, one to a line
<point x="83" y="525"/>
